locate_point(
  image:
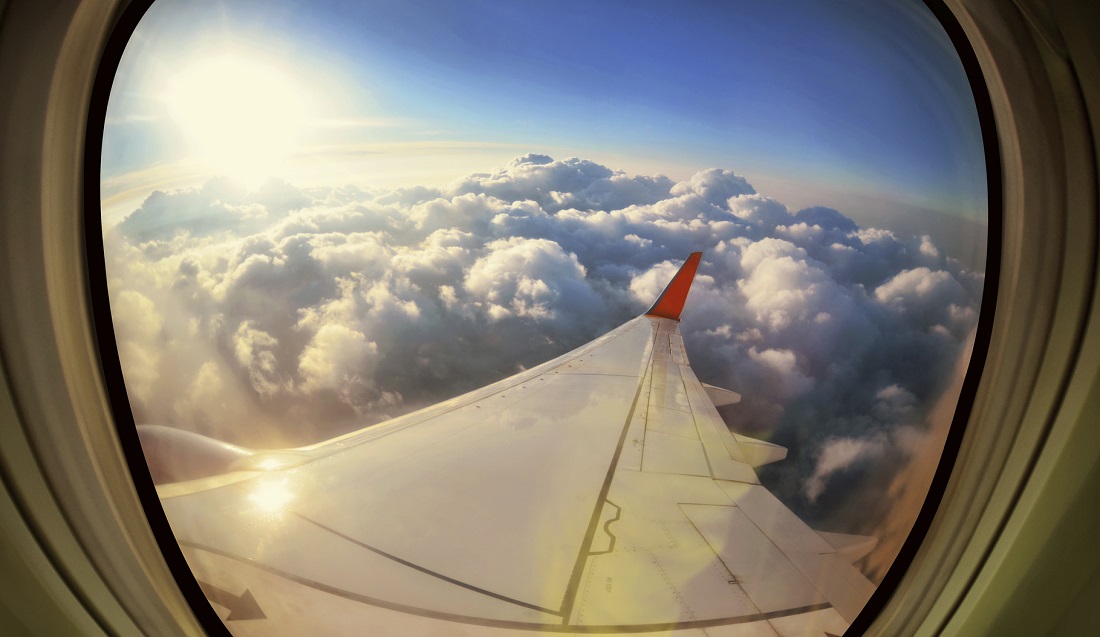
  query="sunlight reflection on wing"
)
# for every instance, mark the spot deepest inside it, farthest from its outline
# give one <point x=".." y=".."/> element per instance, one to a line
<point x="271" y="496"/>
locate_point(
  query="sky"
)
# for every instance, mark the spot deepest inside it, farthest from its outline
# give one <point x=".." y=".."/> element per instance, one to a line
<point x="859" y="106"/>
<point x="320" y="216"/>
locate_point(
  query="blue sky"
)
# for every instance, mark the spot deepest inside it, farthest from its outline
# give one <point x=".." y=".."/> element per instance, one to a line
<point x="861" y="106"/>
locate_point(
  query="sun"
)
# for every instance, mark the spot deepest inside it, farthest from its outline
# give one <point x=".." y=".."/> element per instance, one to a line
<point x="240" y="116"/>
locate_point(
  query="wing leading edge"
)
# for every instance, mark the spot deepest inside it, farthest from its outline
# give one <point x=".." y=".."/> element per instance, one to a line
<point x="598" y="492"/>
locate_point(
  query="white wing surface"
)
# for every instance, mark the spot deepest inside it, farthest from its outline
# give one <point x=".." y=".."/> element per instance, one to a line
<point x="600" y="492"/>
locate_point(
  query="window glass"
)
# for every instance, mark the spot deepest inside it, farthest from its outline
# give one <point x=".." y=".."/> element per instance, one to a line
<point x="319" y="217"/>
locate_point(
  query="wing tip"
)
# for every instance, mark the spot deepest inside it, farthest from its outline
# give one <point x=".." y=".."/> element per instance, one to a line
<point x="671" y="301"/>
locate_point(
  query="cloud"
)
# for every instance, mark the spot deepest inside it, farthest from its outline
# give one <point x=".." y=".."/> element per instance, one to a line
<point x="255" y="351"/>
<point x="336" y="358"/>
<point x="895" y="508"/>
<point x="714" y="185"/>
<point x="932" y="298"/>
<point x="139" y="325"/>
<point x="760" y="211"/>
<point x="219" y="206"/>
<point x="309" y="312"/>
<point x="839" y="454"/>
<point x="892" y="417"/>
<point x="532" y="278"/>
<point x="572" y="183"/>
<point x="782" y="364"/>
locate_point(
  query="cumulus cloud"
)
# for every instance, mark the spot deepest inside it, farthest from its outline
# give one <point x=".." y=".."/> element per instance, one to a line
<point x="714" y="185"/>
<point x="920" y="290"/>
<point x="139" y="326"/>
<point x="532" y="278"/>
<point x="314" y="311"/>
<point x="255" y="352"/>
<point x="573" y="183"/>
<point x="893" y="506"/>
<point x="838" y="454"/>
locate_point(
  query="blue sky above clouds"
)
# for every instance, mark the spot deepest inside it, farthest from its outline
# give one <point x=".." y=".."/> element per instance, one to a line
<point x="320" y="215"/>
<point x="855" y="105"/>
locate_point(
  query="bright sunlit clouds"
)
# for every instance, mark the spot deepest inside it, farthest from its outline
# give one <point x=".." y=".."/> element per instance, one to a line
<point x="243" y="117"/>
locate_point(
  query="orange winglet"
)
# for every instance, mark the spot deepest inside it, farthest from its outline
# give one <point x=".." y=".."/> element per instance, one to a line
<point x="671" y="302"/>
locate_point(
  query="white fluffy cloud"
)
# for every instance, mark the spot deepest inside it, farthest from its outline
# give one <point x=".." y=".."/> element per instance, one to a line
<point x="714" y="185"/>
<point x="336" y="358"/>
<point x="255" y="352"/>
<point x="531" y="278"/>
<point x="315" y="311"/>
<point x="138" y="331"/>
<point x="573" y="183"/>
<point x="838" y="454"/>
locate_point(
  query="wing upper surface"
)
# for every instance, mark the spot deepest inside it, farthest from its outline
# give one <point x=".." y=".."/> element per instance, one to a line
<point x="598" y="492"/>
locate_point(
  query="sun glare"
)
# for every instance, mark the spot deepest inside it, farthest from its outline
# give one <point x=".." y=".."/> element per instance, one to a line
<point x="271" y="495"/>
<point x="240" y="116"/>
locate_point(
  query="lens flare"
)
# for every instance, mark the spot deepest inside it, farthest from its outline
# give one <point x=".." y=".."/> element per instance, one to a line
<point x="241" y="116"/>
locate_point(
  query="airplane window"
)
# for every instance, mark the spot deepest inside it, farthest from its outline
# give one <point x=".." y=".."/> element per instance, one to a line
<point x="468" y="318"/>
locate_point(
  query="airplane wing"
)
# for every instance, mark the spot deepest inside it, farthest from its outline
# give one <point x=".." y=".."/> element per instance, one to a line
<point x="600" y="492"/>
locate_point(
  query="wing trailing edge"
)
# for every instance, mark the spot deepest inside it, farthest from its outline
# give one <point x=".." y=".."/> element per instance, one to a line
<point x="671" y="302"/>
<point x="852" y="547"/>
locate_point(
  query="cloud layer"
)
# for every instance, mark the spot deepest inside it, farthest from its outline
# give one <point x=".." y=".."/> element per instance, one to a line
<point x="284" y="315"/>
